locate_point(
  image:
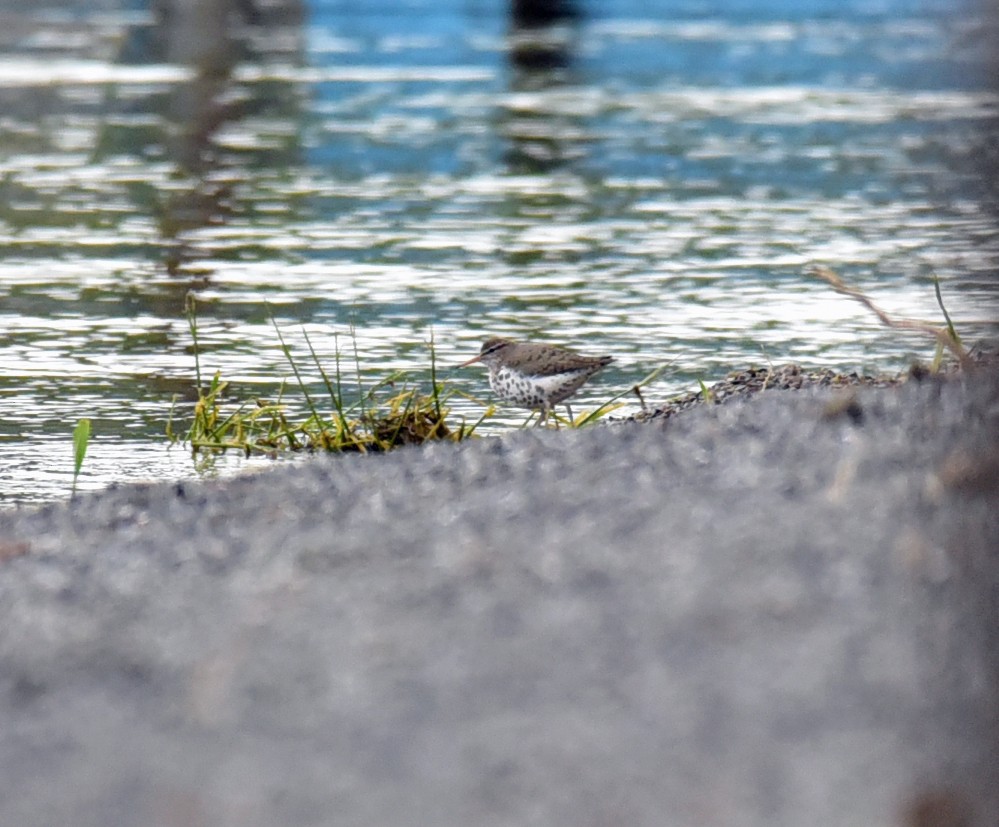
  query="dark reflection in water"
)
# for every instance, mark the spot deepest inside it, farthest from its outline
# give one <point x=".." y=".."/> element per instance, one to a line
<point x="212" y="38"/>
<point x="527" y="13"/>
<point x="541" y="50"/>
<point x="534" y="45"/>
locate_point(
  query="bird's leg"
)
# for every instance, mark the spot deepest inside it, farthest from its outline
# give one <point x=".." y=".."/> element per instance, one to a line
<point x="568" y="410"/>
<point x="542" y="418"/>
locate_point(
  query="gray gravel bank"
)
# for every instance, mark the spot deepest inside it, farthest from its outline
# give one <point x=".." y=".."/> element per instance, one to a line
<point x="772" y="612"/>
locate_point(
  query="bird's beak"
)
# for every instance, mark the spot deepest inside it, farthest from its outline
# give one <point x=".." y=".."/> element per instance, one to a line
<point x="471" y="361"/>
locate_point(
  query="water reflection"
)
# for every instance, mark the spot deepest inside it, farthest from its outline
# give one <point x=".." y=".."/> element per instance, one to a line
<point x="212" y="38"/>
<point x="540" y="47"/>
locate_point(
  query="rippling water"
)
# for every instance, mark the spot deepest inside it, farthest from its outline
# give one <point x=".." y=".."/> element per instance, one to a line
<point x="647" y="180"/>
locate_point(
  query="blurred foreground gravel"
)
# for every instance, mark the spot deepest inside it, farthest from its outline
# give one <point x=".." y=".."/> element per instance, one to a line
<point x="781" y="611"/>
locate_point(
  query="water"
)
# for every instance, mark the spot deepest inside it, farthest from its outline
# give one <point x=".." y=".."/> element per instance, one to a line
<point x="647" y="180"/>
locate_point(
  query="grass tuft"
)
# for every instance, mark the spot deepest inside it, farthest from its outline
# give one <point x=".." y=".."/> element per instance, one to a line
<point x="391" y="413"/>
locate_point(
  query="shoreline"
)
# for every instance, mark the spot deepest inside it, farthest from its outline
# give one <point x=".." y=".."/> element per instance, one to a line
<point x="774" y="610"/>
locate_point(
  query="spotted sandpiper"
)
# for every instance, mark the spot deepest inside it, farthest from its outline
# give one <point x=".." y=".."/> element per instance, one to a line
<point x="534" y="375"/>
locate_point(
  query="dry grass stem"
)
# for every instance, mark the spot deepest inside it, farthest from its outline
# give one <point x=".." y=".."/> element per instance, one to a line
<point x="945" y="336"/>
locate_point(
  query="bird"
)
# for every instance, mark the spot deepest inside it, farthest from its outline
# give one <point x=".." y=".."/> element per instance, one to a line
<point x="535" y="375"/>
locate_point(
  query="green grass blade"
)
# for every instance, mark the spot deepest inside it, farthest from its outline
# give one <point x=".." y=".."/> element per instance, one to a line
<point x="464" y="434"/>
<point x="357" y="368"/>
<point x="433" y="376"/>
<point x="81" y="438"/>
<point x="946" y="315"/>
<point x="334" y="392"/>
<point x="610" y="405"/>
<point x="298" y="377"/>
<point x="339" y="377"/>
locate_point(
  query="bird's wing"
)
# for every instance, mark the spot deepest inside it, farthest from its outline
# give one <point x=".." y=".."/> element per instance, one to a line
<point x="549" y="362"/>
